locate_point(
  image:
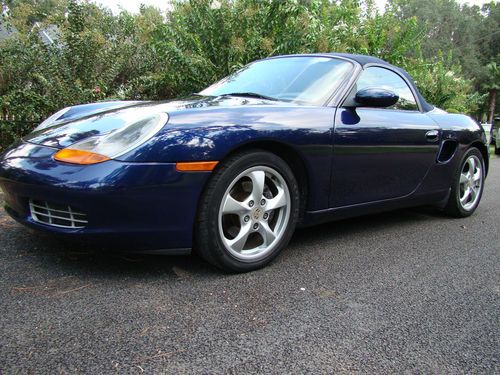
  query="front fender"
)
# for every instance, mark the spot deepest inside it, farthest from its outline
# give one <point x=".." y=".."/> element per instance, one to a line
<point x="212" y="135"/>
<point x="465" y="131"/>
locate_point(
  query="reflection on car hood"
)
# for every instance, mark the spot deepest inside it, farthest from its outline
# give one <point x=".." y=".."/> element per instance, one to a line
<point x="65" y="133"/>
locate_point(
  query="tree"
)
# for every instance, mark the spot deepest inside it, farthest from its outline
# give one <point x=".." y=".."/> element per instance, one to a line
<point x="469" y="34"/>
<point x="492" y="87"/>
<point x="149" y="56"/>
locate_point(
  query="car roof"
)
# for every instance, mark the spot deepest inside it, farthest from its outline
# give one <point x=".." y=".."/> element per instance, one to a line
<point x="361" y="59"/>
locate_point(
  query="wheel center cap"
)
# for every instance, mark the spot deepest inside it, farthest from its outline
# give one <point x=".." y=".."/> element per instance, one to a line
<point x="257" y="213"/>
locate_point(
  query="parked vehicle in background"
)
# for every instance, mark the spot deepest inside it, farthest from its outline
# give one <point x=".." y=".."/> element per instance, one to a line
<point x="496" y="140"/>
<point x="495" y="135"/>
<point x="488" y="128"/>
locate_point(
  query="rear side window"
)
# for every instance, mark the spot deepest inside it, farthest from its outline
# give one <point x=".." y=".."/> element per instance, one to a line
<point x="376" y="77"/>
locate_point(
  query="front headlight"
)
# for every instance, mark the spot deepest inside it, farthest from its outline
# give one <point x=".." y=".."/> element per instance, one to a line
<point x="51" y="119"/>
<point x="112" y="145"/>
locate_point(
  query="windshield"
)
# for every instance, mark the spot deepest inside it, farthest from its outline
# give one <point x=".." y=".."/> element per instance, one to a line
<point x="302" y="79"/>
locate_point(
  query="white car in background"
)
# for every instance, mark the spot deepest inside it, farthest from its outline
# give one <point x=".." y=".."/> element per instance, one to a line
<point x="492" y="132"/>
<point x="495" y="140"/>
<point x="488" y="131"/>
<point x="495" y="135"/>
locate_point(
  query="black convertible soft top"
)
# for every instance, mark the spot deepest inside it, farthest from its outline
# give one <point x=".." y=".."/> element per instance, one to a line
<point x="366" y="60"/>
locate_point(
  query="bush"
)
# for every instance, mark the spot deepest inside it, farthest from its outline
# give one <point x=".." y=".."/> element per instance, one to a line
<point x="442" y="84"/>
<point x="145" y="56"/>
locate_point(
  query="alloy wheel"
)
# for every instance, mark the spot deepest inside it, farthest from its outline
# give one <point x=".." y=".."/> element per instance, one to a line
<point x="471" y="180"/>
<point x="254" y="213"/>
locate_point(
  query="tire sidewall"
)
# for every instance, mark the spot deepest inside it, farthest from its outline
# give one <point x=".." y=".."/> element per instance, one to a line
<point x="222" y="179"/>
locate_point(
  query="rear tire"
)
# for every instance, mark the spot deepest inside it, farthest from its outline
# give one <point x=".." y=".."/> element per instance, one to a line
<point x="467" y="186"/>
<point x="248" y="211"/>
<point x="497" y="149"/>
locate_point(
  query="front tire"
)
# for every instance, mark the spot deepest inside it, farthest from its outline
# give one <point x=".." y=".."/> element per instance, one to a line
<point x="248" y="211"/>
<point x="467" y="186"/>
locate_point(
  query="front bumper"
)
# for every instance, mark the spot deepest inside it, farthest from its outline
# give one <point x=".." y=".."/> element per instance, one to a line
<point x="144" y="206"/>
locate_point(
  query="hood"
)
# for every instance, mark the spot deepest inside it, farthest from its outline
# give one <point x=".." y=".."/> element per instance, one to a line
<point x="80" y="122"/>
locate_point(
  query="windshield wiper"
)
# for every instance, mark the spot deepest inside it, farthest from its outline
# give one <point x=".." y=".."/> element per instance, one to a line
<point x="250" y="95"/>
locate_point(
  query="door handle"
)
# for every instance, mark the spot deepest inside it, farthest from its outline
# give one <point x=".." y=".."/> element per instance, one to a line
<point x="432" y="135"/>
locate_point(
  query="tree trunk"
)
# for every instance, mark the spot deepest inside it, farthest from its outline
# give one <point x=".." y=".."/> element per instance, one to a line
<point x="492" y="106"/>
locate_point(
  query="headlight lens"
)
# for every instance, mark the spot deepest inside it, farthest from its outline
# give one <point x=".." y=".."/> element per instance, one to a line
<point x="51" y="119"/>
<point x="112" y="145"/>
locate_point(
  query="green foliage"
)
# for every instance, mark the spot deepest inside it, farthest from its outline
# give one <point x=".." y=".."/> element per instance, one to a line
<point x="205" y="41"/>
<point x="96" y="57"/>
<point x="470" y="35"/>
<point x="10" y="131"/>
<point x="149" y="56"/>
<point x="494" y="72"/>
<point x="443" y="85"/>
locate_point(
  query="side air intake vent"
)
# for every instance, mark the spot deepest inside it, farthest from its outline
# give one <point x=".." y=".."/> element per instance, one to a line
<point x="447" y="151"/>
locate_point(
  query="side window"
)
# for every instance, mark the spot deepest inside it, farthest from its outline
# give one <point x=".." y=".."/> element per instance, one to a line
<point x="375" y="77"/>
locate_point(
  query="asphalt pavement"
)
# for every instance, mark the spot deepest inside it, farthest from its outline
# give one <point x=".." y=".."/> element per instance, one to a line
<point x="408" y="291"/>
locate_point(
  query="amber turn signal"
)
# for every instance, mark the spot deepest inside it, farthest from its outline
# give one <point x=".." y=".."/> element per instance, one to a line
<point x="79" y="157"/>
<point x="196" y="166"/>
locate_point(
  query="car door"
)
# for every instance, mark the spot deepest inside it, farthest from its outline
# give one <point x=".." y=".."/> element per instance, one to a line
<point x="381" y="153"/>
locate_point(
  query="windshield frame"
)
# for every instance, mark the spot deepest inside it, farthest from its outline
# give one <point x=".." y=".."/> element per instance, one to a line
<point x="330" y="100"/>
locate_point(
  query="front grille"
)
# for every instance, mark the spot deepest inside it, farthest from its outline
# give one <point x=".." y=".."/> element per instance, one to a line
<point x="57" y="215"/>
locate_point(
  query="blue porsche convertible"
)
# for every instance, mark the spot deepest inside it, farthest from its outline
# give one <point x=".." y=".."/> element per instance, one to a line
<point x="230" y="172"/>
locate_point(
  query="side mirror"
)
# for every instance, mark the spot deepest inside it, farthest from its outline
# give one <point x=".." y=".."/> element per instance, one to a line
<point x="378" y="98"/>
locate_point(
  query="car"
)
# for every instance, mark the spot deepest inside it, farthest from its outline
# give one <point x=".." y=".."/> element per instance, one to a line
<point x="495" y="135"/>
<point x="231" y="171"/>
<point x="488" y="131"/>
<point x="496" y="142"/>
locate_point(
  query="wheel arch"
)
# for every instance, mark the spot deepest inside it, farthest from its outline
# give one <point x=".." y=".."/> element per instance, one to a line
<point x="291" y="156"/>
<point x="484" y="151"/>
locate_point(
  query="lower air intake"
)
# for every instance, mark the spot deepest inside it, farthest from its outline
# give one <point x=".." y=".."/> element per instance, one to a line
<point x="57" y="215"/>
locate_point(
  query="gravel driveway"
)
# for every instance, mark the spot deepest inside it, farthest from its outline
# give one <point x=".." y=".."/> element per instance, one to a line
<point x="407" y="291"/>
